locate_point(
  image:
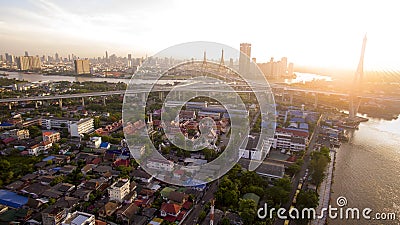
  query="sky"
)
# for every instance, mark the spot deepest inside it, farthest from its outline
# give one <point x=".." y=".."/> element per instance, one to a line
<point x="310" y="33"/>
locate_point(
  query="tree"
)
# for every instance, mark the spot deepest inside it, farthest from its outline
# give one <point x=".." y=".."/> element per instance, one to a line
<point x="284" y="183"/>
<point x="63" y="140"/>
<point x="293" y="169"/>
<point x="125" y="170"/>
<point x="34" y="131"/>
<point x="57" y="180"/>
<point x="277" y="195"/>
<point x="202" y="215"/>
<point x="228" y="193"/>
<point x="96" y="122"/>
<point x="209" y="154"/>
<point x="56" y="147"/>
<point x="4" y="165"/>
<point x="166" y="150"/>
<point x="225" y="221"/>
<point x="319" y="161"/>
<point x="306" y="199"/>
<point x="254" y="189"/>
<point x="252" y="178"/>
<point x="247" y="210"/>
<point x="52" y="201"/>
<point x="235" y="172"/>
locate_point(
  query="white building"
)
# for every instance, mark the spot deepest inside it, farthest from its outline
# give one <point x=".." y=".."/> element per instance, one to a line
<point x="34" y="150"/>
<point x="160" y="164"/>
<point x="118" y="190"/>
<point x="79" y="218"/>
<point x="57" y="122"/>
<point x="290" y="139"/>
<point x="83" y="126"/>
<point x="39" y="148"/>
<point x="252" y="152"/>
<point x="94" y="142"/>
<point x="76" y="127"/>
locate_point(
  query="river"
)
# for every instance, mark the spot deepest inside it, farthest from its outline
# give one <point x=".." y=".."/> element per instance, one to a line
<point x="367" y="170"/>
<point x="35" y="77"/>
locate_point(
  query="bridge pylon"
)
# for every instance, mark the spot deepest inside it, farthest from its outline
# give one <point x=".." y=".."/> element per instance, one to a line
<point x="357" y="84"/>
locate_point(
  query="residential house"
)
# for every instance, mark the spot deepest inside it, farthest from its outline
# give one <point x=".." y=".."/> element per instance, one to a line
<point x="67" y="169"/>
<point x="177" y="197"/>
<point x="118" y="190"/>
<point x="170" y="209"/>
<point x="139" y="174"/>
<point x="108" y="209"/>
<point x="51" y="136"/>
<point x="35" y="189"/>
<point x="19" y="134"/>
<point x="82" y="193"/>
<point x="127" y="213"/>
<point x="94" y="142"/>
<point x="187" y="115"/>
<point x="160" y="164"/>
<point x="87" y="168"/>
<point x="53" y="215"/>
<point x="79" y="218"/>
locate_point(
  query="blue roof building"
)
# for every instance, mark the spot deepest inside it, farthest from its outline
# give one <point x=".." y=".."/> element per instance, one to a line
<point x="48" y="158"/>
<point x="12" y="199"/>
<point x="105" y="145"/>
<point x="303" y="126"/>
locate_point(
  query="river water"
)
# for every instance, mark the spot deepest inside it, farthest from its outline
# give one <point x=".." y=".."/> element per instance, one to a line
<point x="367" y="171"/>
<point x="35" y="77"/>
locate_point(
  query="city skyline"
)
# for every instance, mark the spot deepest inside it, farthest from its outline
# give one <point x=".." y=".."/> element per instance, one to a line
<point x="311" y="33"/>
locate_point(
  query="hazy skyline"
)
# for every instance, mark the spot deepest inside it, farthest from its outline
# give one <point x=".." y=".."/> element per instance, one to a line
<point x="309" y="33"/>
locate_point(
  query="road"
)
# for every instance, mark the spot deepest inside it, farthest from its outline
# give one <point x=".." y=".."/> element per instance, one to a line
<point x="191" y="219"/>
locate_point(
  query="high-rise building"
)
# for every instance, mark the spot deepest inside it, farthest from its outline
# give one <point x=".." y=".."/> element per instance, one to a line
<point x="82" y="66"/>
<point x="28" y="63"/>
<point x="56" y="57"/>
<point x="129" y="60"/>
<point x="290" y="69"/>
<point x="230" y="62"/>
<point x="283" y="68"/>
<point x="244" y="58"/>
<point x="26" y="53"/>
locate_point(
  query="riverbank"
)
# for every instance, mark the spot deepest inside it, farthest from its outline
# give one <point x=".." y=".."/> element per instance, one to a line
<point x="324" y="192"/>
